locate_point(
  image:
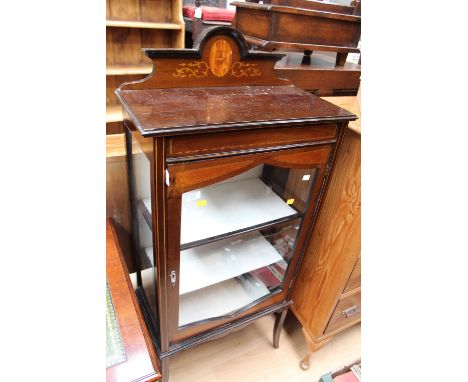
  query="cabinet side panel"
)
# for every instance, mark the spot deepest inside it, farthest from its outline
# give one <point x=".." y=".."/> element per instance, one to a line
<point x="335" y="244"/>
<point x="117" y="198"/>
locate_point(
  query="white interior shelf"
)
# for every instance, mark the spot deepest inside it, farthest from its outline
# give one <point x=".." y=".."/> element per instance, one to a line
<point x="149" y="252"/>
<point x="219" y="299"/>
<point x="147" y="203"/>
<point x="224" y="259"/>
<point x="226" y="207"/>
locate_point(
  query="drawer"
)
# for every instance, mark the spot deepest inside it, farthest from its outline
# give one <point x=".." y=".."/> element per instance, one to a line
<point x="348" y="310"/>
<point x="355" y="278"/>
<point x="189" y="145"/>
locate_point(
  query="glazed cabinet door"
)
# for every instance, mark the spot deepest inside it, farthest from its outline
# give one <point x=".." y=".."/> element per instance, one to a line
<point x="236" y="227"/>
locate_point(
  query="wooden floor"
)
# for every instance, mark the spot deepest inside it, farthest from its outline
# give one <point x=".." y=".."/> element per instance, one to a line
<point x="248" y="356"/>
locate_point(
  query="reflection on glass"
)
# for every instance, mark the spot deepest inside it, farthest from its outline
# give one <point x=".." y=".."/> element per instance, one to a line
<point x="144" y="239"/>
<point x="237" y="239"/>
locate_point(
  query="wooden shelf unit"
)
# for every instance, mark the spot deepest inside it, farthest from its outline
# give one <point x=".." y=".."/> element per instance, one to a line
<point x="130" y="69"/>
<point x="130" y="26"/>
<point x="327" y="292"/>
<point x="113" y="113"/>
<point x="142" y="24"/>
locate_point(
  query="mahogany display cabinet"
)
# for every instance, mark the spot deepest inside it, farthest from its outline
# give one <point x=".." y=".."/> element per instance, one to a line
<point x="228" y="165"/>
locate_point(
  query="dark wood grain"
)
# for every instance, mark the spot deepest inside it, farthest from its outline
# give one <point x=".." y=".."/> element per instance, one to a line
<point x="221" y="109"/>
<point x="186" y="177"/>
<point x="299" y="26"/>
<point x="317" y="5"/>
<point x="311" y="10"/>
<point x="320" y="77"/>
<point x="271" y="46"/>
<point x="227" y="142"/>
<point x="142" y="363"/>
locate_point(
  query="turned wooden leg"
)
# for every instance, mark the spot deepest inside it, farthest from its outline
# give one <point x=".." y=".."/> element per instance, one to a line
<point x="341" y="58"/>
<point x="306" y="57"/>
<point x="312" y="346"/>
<point x="278" y="326"/>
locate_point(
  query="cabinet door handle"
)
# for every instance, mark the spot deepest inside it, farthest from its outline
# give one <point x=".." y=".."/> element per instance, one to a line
<point x="350" y="311"/>
<point x="173" y="278"/>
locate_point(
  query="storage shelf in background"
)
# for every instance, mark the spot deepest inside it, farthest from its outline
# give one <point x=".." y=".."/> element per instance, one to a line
<point x="219" y="299"/>
<point x="353" y="105"/>
<point x="142" y="24"/>
<point x="115" y="145"/>
<point x="114" y="113"/>
<point x="225" y="259"/>
<point x="121" y="70"/>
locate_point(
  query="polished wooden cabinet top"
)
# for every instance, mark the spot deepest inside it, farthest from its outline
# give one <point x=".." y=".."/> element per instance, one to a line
<point x="219" y="85"/>
<point x="166" y="111"/>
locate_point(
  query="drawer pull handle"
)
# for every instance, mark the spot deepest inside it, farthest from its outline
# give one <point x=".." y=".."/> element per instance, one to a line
<point x="350" y="311"/>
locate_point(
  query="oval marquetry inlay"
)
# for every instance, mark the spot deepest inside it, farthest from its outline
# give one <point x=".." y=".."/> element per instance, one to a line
<point x="220" y="57"/>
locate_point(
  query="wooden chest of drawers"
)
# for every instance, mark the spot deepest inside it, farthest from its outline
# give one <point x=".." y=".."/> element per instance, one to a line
<point x="327" y="293"/>
<point x="348" y="309"/>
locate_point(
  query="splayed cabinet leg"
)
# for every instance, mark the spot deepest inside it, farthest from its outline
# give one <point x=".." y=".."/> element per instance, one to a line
<point x="278" y="326"/>
<point x="312" y="346"/>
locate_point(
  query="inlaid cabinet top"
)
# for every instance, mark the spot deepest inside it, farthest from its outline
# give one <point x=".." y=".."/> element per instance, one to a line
<point x="218" y="85"/>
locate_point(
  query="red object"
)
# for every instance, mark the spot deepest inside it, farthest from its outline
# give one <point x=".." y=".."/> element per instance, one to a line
<point x="210" y="13"/>
<point x="348" y="377"/>
<point x="266" y="277"/>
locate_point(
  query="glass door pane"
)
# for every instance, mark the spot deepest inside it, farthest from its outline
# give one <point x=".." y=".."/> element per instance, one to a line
<point x="142" y="225"/>
<point x="237" y="238"/>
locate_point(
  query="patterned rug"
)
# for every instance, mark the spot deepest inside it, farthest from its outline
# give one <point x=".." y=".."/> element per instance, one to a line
<point x="115" y="352"/>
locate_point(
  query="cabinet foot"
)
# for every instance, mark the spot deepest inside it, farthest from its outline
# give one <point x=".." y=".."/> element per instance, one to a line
<point x="305" y="363"/>
<point x="312" y="346"/>
<point x="278" y="326"/>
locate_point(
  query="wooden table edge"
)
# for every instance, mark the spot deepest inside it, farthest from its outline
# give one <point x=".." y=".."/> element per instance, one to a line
<point x="116" y="271"/>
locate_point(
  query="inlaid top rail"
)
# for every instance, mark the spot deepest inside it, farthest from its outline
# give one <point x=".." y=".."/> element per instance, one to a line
<point x="216" y="86"/>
